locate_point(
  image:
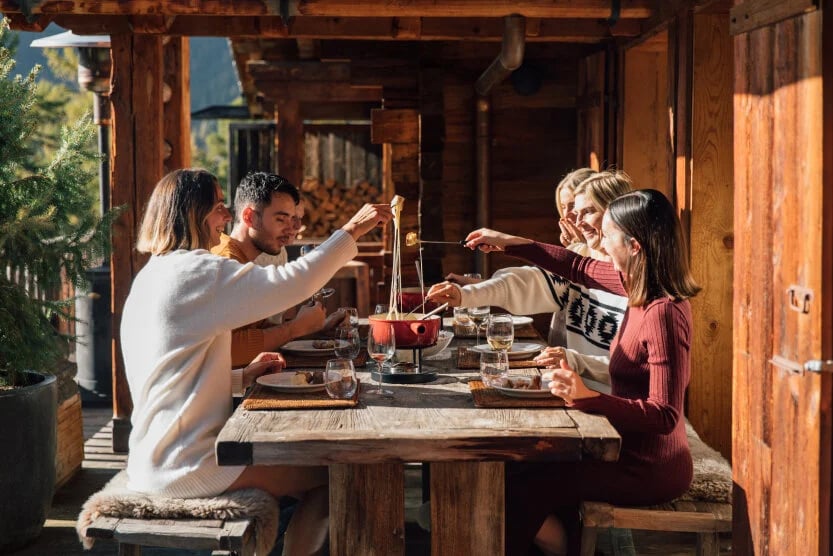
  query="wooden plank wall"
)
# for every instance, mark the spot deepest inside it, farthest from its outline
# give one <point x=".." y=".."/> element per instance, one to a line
<point x="711" y="229"/>
<point x="533" y="146"/>
<point x="781" y="418"/>
<point x="590" y="91"/>
<point x="645" y="132"/>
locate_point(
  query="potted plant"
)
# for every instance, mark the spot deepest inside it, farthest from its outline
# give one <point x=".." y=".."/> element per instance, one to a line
<point x="49" y="233"/>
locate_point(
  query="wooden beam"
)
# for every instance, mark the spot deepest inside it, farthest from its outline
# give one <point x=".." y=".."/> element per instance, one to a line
<point x="290" y="141"/>
<point x="177" y="114"/>
<point x="394" y="126"/>
<point x="317" y="91"/>
<point x="590" y="9"/>
<point x="466" y="8"/>
<point x="754" y="14"/>
<point x="137" y="108"/>
<point x="299" y="70"/>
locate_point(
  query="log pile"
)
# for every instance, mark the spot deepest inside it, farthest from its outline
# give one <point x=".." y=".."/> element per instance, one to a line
<point x="329" y="205"/>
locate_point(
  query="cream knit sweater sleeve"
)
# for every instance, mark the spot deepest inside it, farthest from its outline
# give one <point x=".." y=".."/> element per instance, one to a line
<point x="522" y="290"/>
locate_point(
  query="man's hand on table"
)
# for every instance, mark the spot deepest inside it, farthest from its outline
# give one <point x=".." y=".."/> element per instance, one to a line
<point x="266" y="362"/>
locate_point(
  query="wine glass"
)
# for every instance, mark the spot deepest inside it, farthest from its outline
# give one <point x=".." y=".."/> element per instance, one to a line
<point x="478" y="316"/>
<point x="340" y="379"/>
<point x="500" y="332"/>
<point x="306" y="249"/>
<point x="493" y="364"/>
<point x="381" y="309"/>
<point x="381" y="345"/>
<point x="348" y="342"/>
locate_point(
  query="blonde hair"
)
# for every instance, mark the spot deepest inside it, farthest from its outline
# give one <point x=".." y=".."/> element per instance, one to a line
<point x="569" y="183"/>
<point x="175" y="214"/>
<point x="601" y="188"/>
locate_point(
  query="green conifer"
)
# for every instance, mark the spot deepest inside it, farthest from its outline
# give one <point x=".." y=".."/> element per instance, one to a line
<point x="48" y="231"/>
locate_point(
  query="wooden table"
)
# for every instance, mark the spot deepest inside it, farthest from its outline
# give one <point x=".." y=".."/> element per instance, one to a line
<point x="366" y="447"/>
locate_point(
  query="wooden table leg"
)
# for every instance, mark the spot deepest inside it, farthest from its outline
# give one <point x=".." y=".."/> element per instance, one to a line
<point x="467" y="508"/>
<point x="367" y="509"/>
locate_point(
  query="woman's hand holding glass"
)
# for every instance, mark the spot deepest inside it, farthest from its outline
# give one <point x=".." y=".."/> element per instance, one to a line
<point x="340" y="379"/>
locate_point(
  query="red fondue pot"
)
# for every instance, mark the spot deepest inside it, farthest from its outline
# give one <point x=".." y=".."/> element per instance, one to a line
<point x="417" y="333"/>
<point x="411" y="298"/>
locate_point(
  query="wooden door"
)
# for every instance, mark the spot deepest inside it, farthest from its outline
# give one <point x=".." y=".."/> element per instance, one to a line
<point x="783" y="286"/>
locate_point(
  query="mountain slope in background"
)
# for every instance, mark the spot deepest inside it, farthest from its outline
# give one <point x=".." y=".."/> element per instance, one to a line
<point x="213" y="77"/>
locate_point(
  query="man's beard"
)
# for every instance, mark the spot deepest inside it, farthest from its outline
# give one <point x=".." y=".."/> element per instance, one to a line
<point x="265" y="247"/>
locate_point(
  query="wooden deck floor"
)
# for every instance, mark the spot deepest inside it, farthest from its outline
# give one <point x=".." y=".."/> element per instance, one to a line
<point x="100" y="464"/>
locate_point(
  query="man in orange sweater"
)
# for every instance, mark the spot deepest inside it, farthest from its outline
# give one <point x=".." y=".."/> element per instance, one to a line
<point x="264" y="208"/>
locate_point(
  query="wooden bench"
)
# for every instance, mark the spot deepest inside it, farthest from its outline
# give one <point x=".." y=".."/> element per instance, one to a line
<point x="239" y="522"/>
<point x="705" y="509"/>
<point x="233" y="536"/>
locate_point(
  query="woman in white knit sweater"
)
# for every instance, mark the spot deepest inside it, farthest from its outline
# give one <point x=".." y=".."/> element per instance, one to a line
<point x="175" y="339"/>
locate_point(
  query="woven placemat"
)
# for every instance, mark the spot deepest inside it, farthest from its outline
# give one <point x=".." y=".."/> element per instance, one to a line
<point x="489" y="397"/>
<point x="525" y="332"/>
<point x="470" y="359"/>
<point x="294" y="361"/>
<point x="263" y="397"/>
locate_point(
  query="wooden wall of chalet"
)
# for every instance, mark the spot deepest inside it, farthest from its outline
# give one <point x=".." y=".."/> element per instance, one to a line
<point x="784" y="195"/>
<point x="533" y="145"/>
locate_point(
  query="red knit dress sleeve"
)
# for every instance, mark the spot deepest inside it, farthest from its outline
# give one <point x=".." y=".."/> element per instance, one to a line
<point x="590" y="273"/>
<point x="664" y="334"/>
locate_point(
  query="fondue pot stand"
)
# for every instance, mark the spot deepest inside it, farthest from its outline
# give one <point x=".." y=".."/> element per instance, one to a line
<point x="415" y="335"/>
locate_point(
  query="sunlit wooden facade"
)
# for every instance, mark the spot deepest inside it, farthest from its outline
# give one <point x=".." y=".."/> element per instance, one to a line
<point x="720" y="106"/>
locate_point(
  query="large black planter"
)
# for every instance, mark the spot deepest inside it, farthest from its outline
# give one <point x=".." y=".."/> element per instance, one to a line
<point x="28" y="439"/>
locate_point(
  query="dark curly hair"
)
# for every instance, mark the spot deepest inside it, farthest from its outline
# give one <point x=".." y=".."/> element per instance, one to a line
<point x="256" y="190"/>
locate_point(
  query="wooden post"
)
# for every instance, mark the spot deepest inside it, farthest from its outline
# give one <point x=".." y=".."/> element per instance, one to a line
<point x="478" y="489"/>
<point x="366" y="499"/>
<point x="137" y="108"/>
<point x="290" y="141"/>
<point x="177" y="114"/>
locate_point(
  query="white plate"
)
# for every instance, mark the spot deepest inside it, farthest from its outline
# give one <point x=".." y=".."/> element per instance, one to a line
<point x="522" y="393"/>
<point x="305" y="347"/>
<point x="519" y="350"/>
<point x="282" y="383"/>
<point x="520" y="321"/>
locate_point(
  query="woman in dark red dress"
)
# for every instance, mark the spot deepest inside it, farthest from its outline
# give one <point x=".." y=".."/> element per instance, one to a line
<point x="649" y="372"/>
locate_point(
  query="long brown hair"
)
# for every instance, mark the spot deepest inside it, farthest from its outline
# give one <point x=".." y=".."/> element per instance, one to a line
<point x="660" y="268"/>
<point x="175" y="214"/>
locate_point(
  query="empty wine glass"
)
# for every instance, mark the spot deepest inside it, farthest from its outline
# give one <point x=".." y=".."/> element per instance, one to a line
<point x="478" y="316"/>
<point x="340" y="379"/>
<point x="348" y="342"/>
<point x="306" y="249"/>
<point x="500" y="332"/>
<point x="381" y="345"/>
<point x="381" y="309"/>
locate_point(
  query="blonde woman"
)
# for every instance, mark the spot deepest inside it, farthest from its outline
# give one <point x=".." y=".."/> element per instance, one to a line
<point x="176" y="342"/>
<point x="592" y="196"/>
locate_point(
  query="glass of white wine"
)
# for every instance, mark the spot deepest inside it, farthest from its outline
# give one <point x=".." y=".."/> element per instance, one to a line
<point x="500" y="332"/>
<point x="478" y="316"/>
<point x="381" y="345"/>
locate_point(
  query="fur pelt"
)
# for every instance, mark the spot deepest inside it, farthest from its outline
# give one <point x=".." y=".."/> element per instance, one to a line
<point x="712" y="480"/>
<point x="115" y="500"/>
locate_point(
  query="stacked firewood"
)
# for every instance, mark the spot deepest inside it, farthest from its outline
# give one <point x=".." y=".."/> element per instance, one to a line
<point x="329" y="205"/>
